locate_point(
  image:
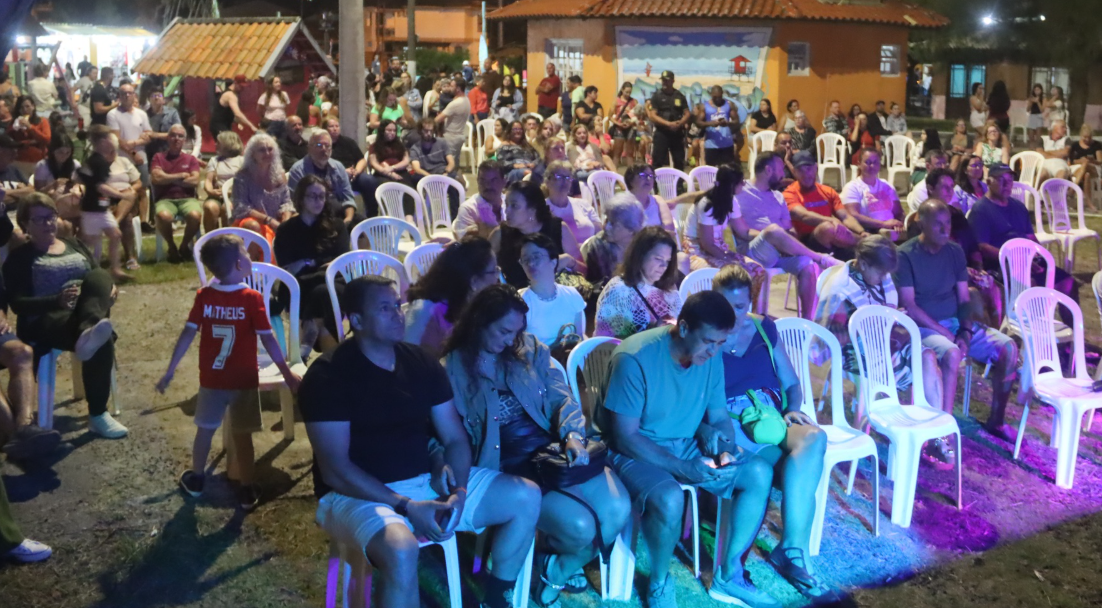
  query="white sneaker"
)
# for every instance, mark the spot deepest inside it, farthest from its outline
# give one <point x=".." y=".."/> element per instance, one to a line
<point x="92" y="339"/>
<point x="29" y="551"/>
<point x="106" y="426"/>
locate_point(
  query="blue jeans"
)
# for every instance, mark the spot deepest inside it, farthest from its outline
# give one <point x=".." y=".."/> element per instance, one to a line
<point x="365" y="185"/>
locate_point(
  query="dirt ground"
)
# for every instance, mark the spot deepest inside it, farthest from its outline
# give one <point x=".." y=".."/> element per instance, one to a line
<point x="124" y="535"/>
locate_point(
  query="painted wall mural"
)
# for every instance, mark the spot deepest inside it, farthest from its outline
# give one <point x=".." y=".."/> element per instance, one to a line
<point x="732" y="57"/>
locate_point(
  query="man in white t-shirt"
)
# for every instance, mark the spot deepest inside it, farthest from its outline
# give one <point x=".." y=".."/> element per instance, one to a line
<point x="455" y="116"/>
<point x="870" y="199"/>
<point x="765" y="232"/>
<point x="481" y="213"/>
<point x="1055" y="151"/>
<point x="131" y="125"/>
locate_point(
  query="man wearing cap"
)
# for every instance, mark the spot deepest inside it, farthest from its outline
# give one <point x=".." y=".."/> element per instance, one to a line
<point x="818" y="215"/>
<point x="669" y="111"/>
<point x="468" y="72"/>
<point x="227" y="111"/>
<point x="932" y="278"/>
<point x="548" y="91"/>
<point x="996" y="218"/>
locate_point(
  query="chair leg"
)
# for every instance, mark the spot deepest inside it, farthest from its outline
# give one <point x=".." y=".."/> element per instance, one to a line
<point x="47" y="376"/>
<point x="78" y="379"/>
<point x="115" y="391"/>
<point x="875" y="494"/>
<point x="287" y="405"/>
<point x="451" y="564"/>
<point x="1021" y="431"/>
<point x="1068" y="451"/>
<point x="333" y="575"/>
<point x="960" y="474"/>
<point x="479" y="552"/>
<point x="137" y="238"/>
<point x="820" y="508"/>
<point x="524" y="581"/>
<point x="853" y="475"/>
<point x="717" y="548"/>
<point x="906" y="482"/>
<point x="967" y="386"/>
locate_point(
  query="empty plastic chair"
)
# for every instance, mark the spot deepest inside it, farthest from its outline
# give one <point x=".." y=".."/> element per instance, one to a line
<point x="703" y="178"/>
<point x="668" y="179"/>
<point x="384" y="234"/>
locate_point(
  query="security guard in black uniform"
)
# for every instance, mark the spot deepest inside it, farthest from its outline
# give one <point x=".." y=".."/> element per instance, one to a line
<point x="669" y="111"/>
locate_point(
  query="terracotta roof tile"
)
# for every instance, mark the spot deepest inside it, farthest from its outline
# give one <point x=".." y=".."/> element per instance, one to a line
<point x="892" y="12"/>
<point x="217" y="48"/>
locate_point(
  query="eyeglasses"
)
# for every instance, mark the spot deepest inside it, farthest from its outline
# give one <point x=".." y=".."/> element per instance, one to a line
<point x="324" y="146"/>
<point x="646" y="175"/>
<point x="44" y="220"/>
<point x="535" y="259"/>
<point x="561" y="177"/>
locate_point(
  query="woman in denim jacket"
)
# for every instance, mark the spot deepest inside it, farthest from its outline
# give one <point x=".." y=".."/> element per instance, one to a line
<point x="513" y="403"/>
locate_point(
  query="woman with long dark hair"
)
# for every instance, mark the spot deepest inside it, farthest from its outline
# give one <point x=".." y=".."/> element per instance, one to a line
<point x="518" y="156"/>
<point x="978" y="103"/>
<point x="513" y="405"/>
<point x="713" y="211"/>
<point x="644" y="292"/>
<point x="389" y="157"/>
<point x="463" y="269"/>
<point x="526" y="212"/>
<point x="763" y="119"/>
<point x="31" y="132"/>
<point x="622" y="124"/>
<point x="998" y="106"/>
<point x="305" y="244"/>
<point x="1036" y="114"/>
<point x="931" y="140"/>
<point x="56" y="176"/>
<point x="272" y="105"/>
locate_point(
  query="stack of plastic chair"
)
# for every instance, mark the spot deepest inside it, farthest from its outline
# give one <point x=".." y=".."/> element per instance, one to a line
<point x="1070" y="397"/>
<point x="907" y="427"/>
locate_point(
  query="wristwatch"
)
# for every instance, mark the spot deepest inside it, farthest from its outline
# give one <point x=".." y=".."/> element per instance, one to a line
<point x="401" y="507"/>
<point x="576" y="435"/>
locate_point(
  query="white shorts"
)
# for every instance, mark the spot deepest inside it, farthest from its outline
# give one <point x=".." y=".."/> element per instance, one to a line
<point x="356" y="521"/>
<point x="1053" y="166"/>
<point x="764" y="253"/>
<point x="93" y="223"/>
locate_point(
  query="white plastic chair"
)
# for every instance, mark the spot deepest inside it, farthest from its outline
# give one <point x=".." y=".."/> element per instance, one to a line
<point x="667" y="179"/>
<point x="391" y="195"/>
<point x="907" y="427"/>
<point x="467" y="150"/>
<point x="697" y="280"/>
<point x="357" y="264"/>
<point x="844" y="443"/>
<point x="1016" y="258"/>
<point x="348" y="563"/>
<point x="897" y="156"/>
<point x="830" y="148"/>
<point x="1028" y="165"/>
<point x="763" y="296"/>
<point x="603" y="184"/>
<point x="47" y="386"/>
<point x="591" y="358"/>
<point x="384" y="234"/>
<point x="483" y="131"/>
<point x="434" y="192"/>
<point x="1055" y="192"/>
<point x="703" y="178"/>
<point x="762" y="141"/>
<point x="417" y="262"/>
<point x="1071" y="397"/>
<point x="251" y="238"/>
<point x="263" y="278"/>
<point x="1032" y="200"/>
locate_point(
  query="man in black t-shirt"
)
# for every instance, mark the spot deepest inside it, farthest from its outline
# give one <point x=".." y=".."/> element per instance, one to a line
<point x="669" y="111"/>
<point x="371" y="407"/>
<point x="103" y="97"/>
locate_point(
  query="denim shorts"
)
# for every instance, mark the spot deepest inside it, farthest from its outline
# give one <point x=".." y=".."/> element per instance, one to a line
<point x="986" y="345"/>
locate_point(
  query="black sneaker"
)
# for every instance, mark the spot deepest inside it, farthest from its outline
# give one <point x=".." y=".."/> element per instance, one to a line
<point x="148" y="228"/>
<point x="30" y="442"/>
<point x="192" y="483"/>
<point x="247" y="498"/>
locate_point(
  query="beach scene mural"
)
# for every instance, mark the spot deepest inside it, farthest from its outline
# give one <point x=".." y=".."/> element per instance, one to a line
<point x="732" y="57"/>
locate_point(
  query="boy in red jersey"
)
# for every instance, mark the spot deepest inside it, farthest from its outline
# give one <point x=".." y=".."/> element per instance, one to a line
<point x="230" y="316"/>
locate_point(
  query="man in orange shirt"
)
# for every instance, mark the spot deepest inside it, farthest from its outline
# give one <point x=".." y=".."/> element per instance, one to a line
<point x="480" y="101"/>
<point x="818" y="215"/>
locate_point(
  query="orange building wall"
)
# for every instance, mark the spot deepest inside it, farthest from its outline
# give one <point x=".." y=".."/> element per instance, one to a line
<point x="845" y="65"/>
<point x="456" y="27"/>
<point x="848" y="71"/>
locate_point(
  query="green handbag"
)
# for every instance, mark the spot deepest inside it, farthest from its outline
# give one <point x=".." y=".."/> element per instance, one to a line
<point x="762" y="421"/>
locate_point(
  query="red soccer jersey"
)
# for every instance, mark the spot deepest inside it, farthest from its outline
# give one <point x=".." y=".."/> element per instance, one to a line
<point x="228" y="319"/>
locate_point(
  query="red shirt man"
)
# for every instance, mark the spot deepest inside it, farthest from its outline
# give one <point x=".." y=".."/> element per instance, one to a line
<point x="548" y="92"/>
<point x="480" y="102"/>
<point x="821" y="199"/>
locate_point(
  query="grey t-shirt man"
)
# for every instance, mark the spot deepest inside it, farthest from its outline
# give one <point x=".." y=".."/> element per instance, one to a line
<point x="934" y="276"/>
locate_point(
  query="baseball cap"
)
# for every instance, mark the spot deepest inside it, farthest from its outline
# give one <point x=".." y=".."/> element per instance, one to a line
<point x="7" y="142"/>
<point x="240" y="79"/>
<point x="667" y="75"/>
<point x="803" y="159"/>
<point x="998" y="169"/>
<point x="466" y="63"/>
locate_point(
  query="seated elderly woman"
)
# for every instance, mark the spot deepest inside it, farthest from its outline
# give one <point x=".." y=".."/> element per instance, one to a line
<point x="463" y="269"/>
<point x="757" y="371"/>
<point x="514" y="406"/>
<point x="585" y="155"/>
<point x="63" y="299"/>
<point x="551" y="307"/>
<point x="604" y="251"/>
<point x="304" y="246"/>
<point x="261" y="199"/>
<point x="222" y="167"/>
<point x="644" y="294"/>
<point x="864" y="281"/>
<point x="526" y="212"/>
